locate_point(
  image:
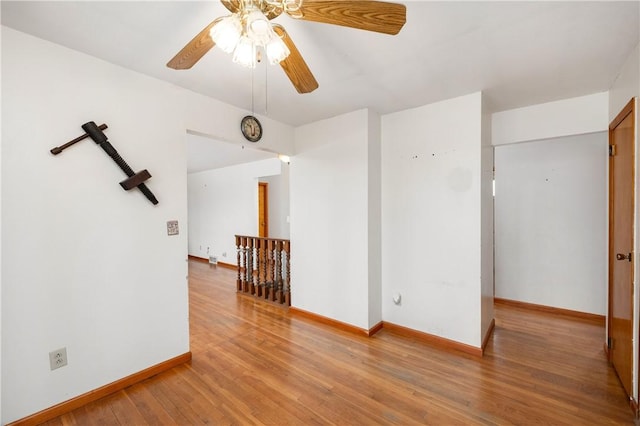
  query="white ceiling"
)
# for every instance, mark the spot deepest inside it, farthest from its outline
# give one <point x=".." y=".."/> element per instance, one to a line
<point x="518" y="53"/>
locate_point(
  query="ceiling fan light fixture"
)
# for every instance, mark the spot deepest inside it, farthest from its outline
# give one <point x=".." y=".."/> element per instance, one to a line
<point x="245" y="53"/>
<point x="276" y="50"/>
<point x="258" y="27"/>
<point x="226" y="33"/>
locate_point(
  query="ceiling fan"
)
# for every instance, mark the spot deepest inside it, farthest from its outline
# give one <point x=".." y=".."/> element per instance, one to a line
<point x="248" y="29"/>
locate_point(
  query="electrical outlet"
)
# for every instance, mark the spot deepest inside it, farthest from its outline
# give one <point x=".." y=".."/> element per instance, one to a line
<point x="224" y="254"/>
<point x="58" y="358"/>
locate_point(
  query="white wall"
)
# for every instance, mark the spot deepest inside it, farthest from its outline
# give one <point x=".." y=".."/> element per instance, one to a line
<point x="486" y="224"/>
<point x="575" y="116"/>
<point x="374" y="197"/>
<point x="224" y="203"/>
<point x="224" y="126"/>
<point x="553" y="121"/>
<point x="626" y="87"/>
<point x="329" y="219"/>
<point x="90" y="266"/>
<point x="551" y="225"/>
<point x="431" y="218"/>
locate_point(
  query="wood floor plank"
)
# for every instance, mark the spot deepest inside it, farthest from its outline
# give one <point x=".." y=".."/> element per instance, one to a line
<point x="126" y="411"/>
<point x="253" y="363"/>
<point x="148" y="405"/>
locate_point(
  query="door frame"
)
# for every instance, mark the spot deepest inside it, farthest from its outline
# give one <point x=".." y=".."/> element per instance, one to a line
<point x="265" y="204"/>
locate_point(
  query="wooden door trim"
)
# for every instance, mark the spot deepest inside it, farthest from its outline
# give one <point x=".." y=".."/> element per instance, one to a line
<point x="628" y="109"/>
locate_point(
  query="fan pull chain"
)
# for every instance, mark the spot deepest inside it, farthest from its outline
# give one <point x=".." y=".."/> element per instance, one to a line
<point x="252" y="103"/>
<point x="266" y="90"/>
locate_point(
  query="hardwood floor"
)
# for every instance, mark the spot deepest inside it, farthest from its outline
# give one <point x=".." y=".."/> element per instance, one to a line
<point x="253" y="364"/>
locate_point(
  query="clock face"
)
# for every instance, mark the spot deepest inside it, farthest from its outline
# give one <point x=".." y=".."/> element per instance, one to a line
<point x="251" y="128"/>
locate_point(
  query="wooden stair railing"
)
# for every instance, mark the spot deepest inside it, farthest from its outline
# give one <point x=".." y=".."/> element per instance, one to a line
<point x="264" y="268"/>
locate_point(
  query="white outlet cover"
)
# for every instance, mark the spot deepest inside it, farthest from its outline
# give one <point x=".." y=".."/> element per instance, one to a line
<point x="58" y="358"/>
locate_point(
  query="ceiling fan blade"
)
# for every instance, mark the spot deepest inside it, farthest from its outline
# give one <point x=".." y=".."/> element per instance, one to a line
<point x="294" y="65"/>
<point x="194" y="50"/>
<point x="378" y="16"/>
<point x="232" y="5"/>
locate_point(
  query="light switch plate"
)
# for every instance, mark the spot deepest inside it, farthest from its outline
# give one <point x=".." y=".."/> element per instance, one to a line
<point x="172" y="227"/>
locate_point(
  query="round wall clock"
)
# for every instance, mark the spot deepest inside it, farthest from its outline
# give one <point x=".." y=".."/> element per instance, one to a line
<point x="251" y="128"/>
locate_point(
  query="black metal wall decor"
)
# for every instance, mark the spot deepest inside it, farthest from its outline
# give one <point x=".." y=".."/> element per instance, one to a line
<point x="95" y="132"/>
